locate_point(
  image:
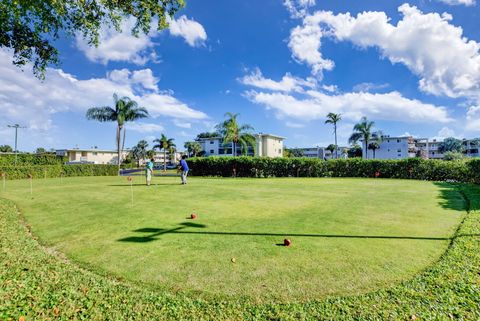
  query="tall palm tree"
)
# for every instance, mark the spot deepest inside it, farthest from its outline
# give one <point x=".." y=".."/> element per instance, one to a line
<point x="362" y="131"/>
<point x="377" y="138"/>
<point x="332" y="148"/>
<point x="234" y="133"/>
<point x="125" y="110"/>
<point x="333" y="118"/>
<point x="164" y="143"/>
<point x="193" y="148"/>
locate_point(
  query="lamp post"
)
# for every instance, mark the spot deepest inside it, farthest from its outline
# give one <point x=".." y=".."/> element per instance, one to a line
<point x="16" y="126"/>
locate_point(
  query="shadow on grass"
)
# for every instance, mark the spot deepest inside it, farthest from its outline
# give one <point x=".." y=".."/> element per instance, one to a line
<point x="143" y="184"/>
<point x="155" y="232"/>
<point x="451" y="197"/>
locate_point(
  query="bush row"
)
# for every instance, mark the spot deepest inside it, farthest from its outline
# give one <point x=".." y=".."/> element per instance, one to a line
<point x="31" y="159"/>
<point x="48" y="171"/>
<point x="413" y="168"/>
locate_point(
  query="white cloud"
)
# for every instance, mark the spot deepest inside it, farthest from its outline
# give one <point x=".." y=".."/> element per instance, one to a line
<point x="446" y="132"/>
<point x="120" y="46"/>
<point x="145" y="127"/>
<point x="294" y="125"/>
<point x="473" y="119"/>
<point x="368" y="86"/>
<point x="300" y="101"/>
<point x="315" y="105"/>
<point x="298" y="8"/>
<point x="182" y="123"/>
<point x="287" y="84"/>
<point x="190" y="30"/>
<point x="459" y="2"/>
<point x="26" y="100"/>
<point x="446" y="62"/>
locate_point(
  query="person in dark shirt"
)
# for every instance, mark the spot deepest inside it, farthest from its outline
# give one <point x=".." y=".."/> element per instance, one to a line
<point x="184" y="168"/>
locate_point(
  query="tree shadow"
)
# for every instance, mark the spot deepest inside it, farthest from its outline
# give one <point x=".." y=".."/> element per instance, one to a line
<point x="154" y="233"/>
<point x="452" y="197"/>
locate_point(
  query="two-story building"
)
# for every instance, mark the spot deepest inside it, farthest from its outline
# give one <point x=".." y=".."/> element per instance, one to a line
<point x="91" y="156"/>
<point x="267" y="145"/>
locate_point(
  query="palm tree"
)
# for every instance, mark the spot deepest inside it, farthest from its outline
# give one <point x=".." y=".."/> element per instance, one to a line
<point x="140" y="151"/>
<point x="125" y="110"/>
<point x="333" y="118"/>
<point x="193" y="148"/>
<point x="362" y="131"/>
<point x="374" y="145"/>
<point x="164" y="143"/>
<point x="234" y="133"/>
<point x="332" y="148"/>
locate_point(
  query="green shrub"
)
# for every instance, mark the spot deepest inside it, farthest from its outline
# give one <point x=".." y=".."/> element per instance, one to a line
<point x="31" y="159"/>
<point x="412" y="168"/>
<point x="49" y="171"/>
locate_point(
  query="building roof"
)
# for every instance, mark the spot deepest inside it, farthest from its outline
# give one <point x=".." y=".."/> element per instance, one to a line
<point x="270" y="135"/>
<point x="96" y="150"/>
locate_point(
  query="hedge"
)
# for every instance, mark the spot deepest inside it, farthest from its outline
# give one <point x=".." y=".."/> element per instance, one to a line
<point x="49" y="171"/>
<point x="31" y="159"/>
<point x="412" y="168"/>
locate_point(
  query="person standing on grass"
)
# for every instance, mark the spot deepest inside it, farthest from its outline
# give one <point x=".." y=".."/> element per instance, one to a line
<point x="149" y="171"/>
<point x="184" y="169"/>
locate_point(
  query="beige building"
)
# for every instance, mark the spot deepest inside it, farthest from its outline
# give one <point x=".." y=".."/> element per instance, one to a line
<point x="91" y="156"/>
<point x="269" y="145"/>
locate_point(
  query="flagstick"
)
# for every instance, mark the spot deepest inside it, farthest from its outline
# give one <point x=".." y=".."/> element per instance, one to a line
<point x="131" y="190"/>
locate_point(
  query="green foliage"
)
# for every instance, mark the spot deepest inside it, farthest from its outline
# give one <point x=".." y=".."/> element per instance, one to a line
<point x="207" y="135"/>
<point x="413" y="168"/>
<point x="49" y="171"/>
<point x="450" y="144"/>
<point x="355" y="151"/>
<point x="232" y="132"/>
<point x="450" y="156"/>
<point x="193" y="148"/>
<point x="6" y="149"/>
<point x="31" y="28"/>
<point x="32" y="159"/>
<point x="293" y="152"/>
<point x="38" y="284"/>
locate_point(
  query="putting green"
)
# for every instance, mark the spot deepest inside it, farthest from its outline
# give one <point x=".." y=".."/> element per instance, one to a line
<point x="348" y="235"/>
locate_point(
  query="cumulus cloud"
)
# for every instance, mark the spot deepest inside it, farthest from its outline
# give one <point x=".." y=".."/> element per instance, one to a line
<point x="315" y="105"/>
<point x="26" y="100"/>
<point x="459" y="2"/>
<point x="298" y="8"/>
<point x="473" y="119"/>
<point x="307" y="103"/>
<point x="446" y="132"/>
<point x="120" y="46"/>
<point x="287" y="84"/>
<point x="446" y="62"/>
<point x="190" y="30"/>
<point x="368" y="86"/>
<point x="145" y="127"/>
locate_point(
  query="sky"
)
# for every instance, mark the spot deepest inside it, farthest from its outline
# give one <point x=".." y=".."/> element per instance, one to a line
<point x="283" y="65"/>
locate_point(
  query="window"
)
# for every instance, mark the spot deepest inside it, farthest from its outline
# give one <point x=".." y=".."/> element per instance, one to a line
<point x="212" y="151"/>
<point x="84" y="154"/>
<point x="398" y="140"/>
<point x="399" y="151"/>
<point x="211" y="142"/>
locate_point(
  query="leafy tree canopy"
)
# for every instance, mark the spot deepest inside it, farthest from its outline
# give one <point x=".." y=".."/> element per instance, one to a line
<point x="30" y="28"/>
<point x="451" y="144"/>
<point x="207" y="135"/>
<point x="6" y="149"/>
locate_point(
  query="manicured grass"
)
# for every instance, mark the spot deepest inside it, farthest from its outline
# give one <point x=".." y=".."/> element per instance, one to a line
<point x="350" y="236"/>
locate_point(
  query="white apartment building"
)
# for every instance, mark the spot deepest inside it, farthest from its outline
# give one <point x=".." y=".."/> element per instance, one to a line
<point x="267" y="145"/>
<point x="392" y="148"/>
<point x="323" y="152"/>
<point x="91" y="156"/>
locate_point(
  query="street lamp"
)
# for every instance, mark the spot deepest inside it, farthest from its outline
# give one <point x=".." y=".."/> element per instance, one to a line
<point x="16" y="126"/>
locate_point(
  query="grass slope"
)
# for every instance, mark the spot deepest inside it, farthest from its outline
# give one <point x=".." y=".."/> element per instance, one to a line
<point x="350" y="235"/>
<point x="37" y="284"/>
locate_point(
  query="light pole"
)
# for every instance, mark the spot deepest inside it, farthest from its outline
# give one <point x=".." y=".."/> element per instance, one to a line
<point x="16" y="126"/>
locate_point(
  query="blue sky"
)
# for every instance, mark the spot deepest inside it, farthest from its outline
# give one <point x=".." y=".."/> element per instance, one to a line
<point x="412" y="67"/>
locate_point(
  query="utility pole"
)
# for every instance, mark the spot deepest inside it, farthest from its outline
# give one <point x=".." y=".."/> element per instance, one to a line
<point x="16" y="126"/>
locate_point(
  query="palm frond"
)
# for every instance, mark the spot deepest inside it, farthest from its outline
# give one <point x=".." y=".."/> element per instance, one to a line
<point x="102" y="114"/>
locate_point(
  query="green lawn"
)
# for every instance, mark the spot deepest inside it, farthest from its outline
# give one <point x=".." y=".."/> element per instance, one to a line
<point x="349" y="236"/>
